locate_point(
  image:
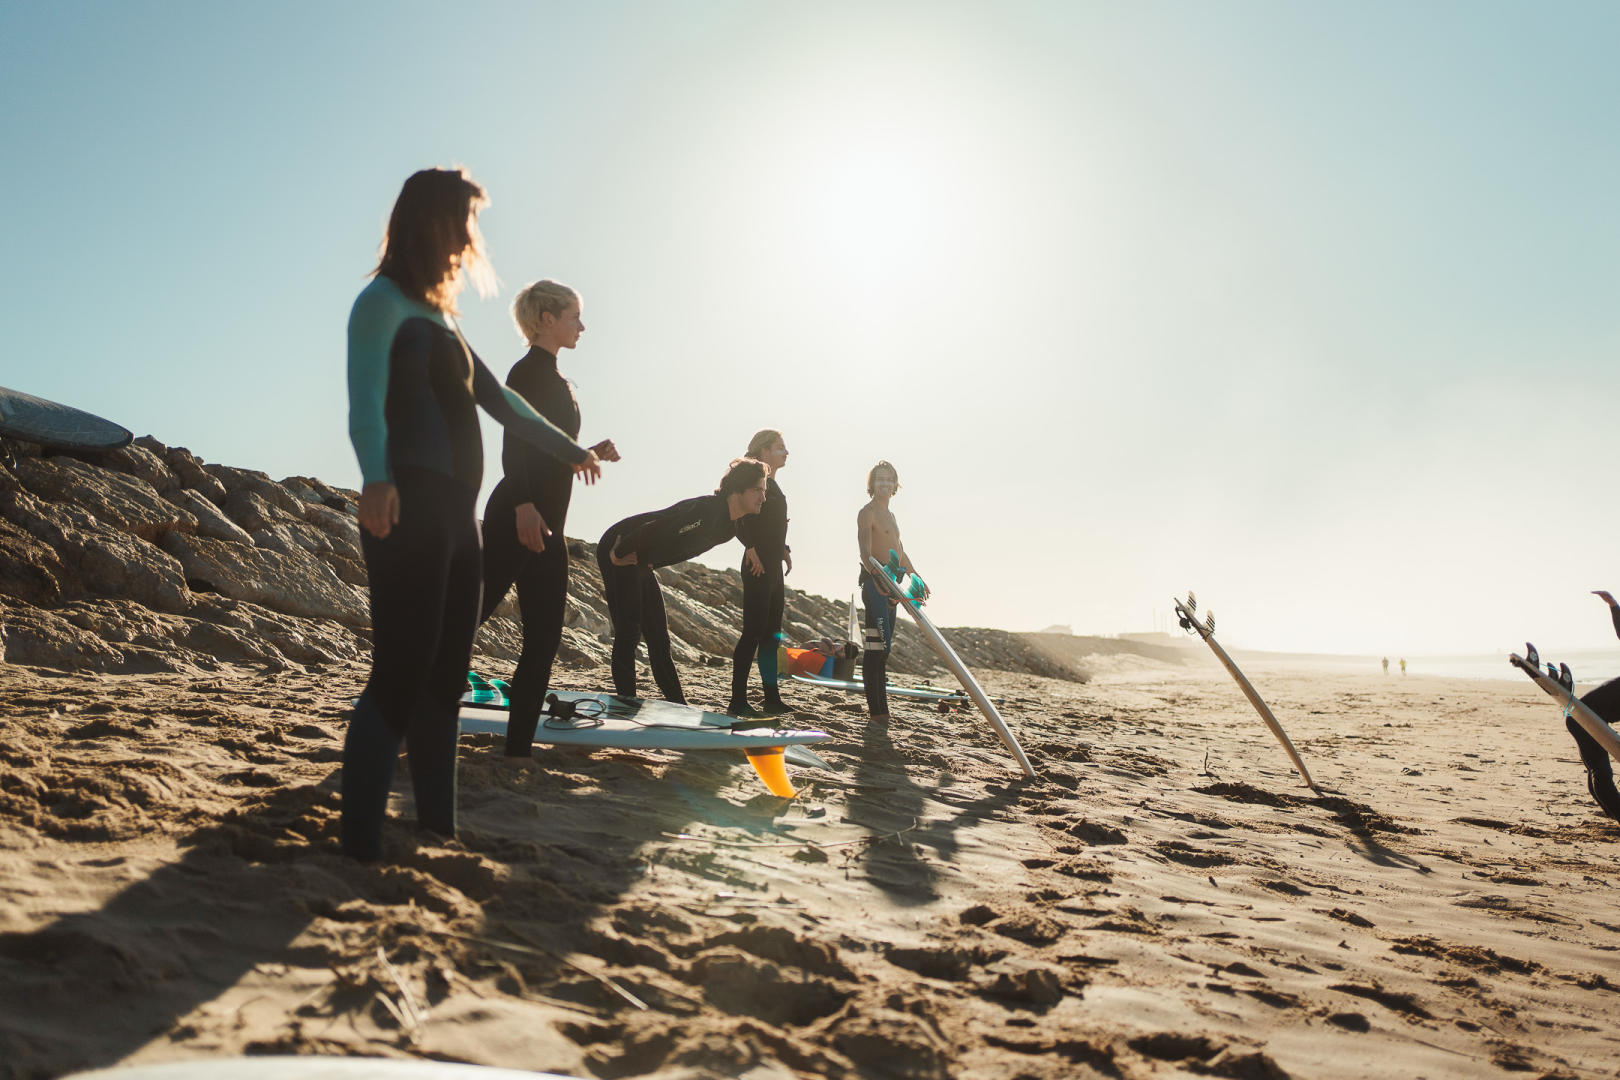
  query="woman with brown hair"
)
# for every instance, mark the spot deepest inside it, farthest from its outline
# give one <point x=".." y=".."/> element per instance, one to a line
<point x="414" y="390"/>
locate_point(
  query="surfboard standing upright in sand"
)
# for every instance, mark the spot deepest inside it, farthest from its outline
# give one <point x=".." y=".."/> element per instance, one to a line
<point x="1206" y="630"/>
<point x="888" y="584"/>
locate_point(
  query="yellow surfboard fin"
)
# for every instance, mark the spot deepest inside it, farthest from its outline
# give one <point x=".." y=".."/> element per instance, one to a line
<point x="772" y="769"/>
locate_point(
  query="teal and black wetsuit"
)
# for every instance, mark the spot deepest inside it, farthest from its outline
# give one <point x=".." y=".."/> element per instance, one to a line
<point x="414" y="391"/>
<point x="635" y="602"/>
<point x="541" y="577"/>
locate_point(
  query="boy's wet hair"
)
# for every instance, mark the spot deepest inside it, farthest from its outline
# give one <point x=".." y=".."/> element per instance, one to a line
<point x="741" y="474"/>
<point x="873" y="475"/>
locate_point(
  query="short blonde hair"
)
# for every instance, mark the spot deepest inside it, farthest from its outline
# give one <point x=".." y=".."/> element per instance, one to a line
<point x="762" y="441"/>
<point x="537" y="299"/>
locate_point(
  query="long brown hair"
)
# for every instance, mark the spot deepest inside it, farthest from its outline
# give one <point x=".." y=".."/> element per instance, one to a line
<point x="432" y="235"/>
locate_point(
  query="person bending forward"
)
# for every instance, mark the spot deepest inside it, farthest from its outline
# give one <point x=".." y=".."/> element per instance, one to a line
<point x="632" y="549"/>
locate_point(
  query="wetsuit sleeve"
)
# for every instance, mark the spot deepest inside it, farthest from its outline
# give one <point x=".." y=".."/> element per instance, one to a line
<point x="1614" y="616"/>
<point x="517" y="464"/>
<point x="518" y="416"/>
<point x="372" y="324"/>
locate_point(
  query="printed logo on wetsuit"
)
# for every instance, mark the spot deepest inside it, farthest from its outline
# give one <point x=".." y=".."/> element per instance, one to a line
<point x="688" y="528"/>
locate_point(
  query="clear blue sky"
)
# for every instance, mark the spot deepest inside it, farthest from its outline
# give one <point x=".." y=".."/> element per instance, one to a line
<point x="1310" y="307"/>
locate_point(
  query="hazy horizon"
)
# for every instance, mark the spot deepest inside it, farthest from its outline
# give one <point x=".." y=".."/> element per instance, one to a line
<point x="1297" y="306"/>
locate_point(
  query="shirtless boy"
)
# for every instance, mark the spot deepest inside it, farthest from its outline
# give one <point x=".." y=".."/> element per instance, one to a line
<point x="878" y="533"/>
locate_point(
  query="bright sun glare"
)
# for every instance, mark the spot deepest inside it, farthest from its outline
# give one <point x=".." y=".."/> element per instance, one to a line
<point x="875" y="214"/>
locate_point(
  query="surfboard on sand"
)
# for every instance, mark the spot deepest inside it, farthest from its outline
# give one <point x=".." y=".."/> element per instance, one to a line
<point x="1563" y="689"/>
<point x="1206" y="630"/>
<point x="602" y="720"/>
<point x="920" y="693"/>
<point x="885" y="577"/>
<point x="33" y="419"/>
<point x="311" y="1068"/>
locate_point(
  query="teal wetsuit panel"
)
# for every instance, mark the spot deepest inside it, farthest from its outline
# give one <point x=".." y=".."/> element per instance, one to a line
<point x="411" y="401"/>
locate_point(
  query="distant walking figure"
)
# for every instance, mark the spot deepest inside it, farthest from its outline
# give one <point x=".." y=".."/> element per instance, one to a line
<point x="1403" y="665"/>
<point x="1386" y="665"/>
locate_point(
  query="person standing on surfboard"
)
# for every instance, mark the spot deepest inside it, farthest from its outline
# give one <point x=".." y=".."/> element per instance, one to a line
<point x="632" y="549"/>
<point x="526" y="513"/>
<point x="414" y="391"/>
<point x="767" y="560"/>
<point x="878" y="533"/>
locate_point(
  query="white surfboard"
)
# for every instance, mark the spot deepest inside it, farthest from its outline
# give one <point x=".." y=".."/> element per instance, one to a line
<point x="602" y="720"/>
<point x="1593" y="723"/>
<point x="920" y="693"/>
<point x="1207" y="632"/>
<point x="953" y="662"/>
<point x="312" y="1068"/>
<point x="646" y="724"/>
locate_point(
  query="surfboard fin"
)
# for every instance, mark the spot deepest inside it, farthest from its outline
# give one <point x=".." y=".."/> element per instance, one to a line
<point x="1192" y="601"/>
<point x="772" y="769"/>
<point x="1209" y="621"/>
<point x="1566" y="678"/>
<point x="1532" y="657"/>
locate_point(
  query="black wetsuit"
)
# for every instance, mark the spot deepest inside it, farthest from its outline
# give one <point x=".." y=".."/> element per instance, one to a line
<point x="413" y="421"/>
<point x="635" y="602"/>
<point x="1605" y="701"/>
<point x="541" y="577"/>
<point x="763" y="596"/>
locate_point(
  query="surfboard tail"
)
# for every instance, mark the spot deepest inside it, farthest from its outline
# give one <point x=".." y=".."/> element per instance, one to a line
<point x="771" y="765"/>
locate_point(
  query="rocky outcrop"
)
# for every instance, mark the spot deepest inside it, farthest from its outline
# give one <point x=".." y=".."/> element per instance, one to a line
<point x="211" y="520"/>
<point x="90" y="558"/>
<point x="117" y="499"/>
<point x="292" y="581"/>
<point x="149" y="559"/>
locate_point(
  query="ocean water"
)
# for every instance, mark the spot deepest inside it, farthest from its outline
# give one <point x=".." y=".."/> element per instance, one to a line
<point x="1588" y="666"/>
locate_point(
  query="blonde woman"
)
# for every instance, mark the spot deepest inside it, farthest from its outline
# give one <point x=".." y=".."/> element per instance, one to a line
<point x="523" y="522"/>
<point x="766" y="562"/>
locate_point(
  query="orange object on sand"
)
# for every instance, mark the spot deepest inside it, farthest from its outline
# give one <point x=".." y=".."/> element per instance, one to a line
<point x="772" y="768"/>
<point x="799" y="661"/>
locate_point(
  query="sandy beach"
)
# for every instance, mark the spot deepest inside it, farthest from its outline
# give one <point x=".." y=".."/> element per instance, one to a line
<point x="1166" y="899"/>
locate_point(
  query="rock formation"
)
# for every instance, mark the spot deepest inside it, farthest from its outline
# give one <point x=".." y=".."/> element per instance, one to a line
<point x="148" y="559"/>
